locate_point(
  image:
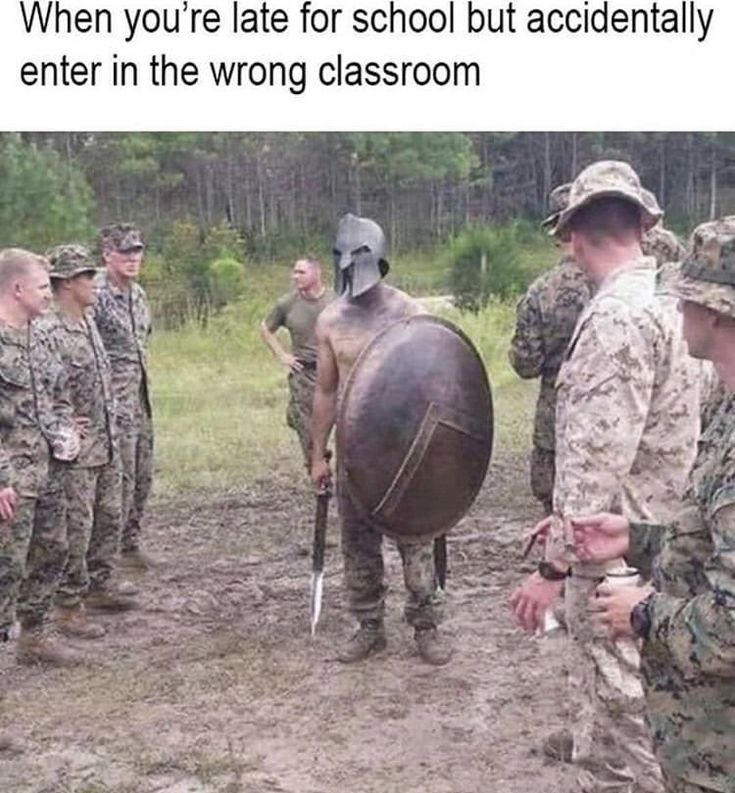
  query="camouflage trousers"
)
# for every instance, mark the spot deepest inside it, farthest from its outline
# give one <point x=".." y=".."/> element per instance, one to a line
<point x="39" y="537"/>
<point x="363" y="571"/>
<point x="135" y="438"/>
<point x="94" y="527"/>
<point x="607" y="708"/>
<point x="298" y="414"/>
<point x="542" y="476"/>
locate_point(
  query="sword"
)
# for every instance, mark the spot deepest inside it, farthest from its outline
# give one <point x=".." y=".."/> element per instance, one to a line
<point x="440" y="561"/>
<point x="317" y="555"/>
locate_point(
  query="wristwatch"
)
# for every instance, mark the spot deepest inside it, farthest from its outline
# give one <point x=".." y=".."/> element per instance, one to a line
<point x="641" y="617"/>
<point x="548" y="572"/>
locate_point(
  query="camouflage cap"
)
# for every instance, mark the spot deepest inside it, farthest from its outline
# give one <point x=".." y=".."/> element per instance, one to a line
<point x="663" y="245"/>
<point x="558" y="202"/>
<point x="609" y="179"/>
<point x="707" y="275"/>
<point x="121" y="237"/>
<point x="66" y="261"/>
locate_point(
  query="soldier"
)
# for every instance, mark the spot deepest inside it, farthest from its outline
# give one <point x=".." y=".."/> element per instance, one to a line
<point x="298" y="312"/>
<point x="93" y="482"/>
<point x="366" y="305"/>
<point x="686" y="621"/>
<point x="38" y="438"/>
<point x="545" y="320"/>
<point x="124" y="323"/>
<point x="627" y="424"/>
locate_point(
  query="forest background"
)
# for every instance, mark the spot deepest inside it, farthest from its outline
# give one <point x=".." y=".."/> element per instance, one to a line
<point x="225" y="215"/>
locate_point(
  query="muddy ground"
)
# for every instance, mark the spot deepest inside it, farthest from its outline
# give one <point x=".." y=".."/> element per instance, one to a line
<point x="215" y="685"/>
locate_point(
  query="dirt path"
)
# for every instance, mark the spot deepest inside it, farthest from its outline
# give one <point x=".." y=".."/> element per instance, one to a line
<point x="216" y="686"/>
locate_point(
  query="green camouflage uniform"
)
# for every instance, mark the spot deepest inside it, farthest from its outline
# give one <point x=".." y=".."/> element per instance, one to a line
<point x="298" y="314"/>
<point x="545" y="321"/>
<point x="688" y="659"/>
<point x="124" y="323"/>
<point x="627" y="424"/>
<point x="93" y="482"/>
<point x="37" y="439"/>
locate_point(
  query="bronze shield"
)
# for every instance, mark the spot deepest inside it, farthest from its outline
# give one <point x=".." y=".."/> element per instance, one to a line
<point x="415" y="428"/>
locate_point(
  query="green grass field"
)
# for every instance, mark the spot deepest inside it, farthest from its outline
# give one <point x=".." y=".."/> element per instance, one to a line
<point x="220" y="398"/>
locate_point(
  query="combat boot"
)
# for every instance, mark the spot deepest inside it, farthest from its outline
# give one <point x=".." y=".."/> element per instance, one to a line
<point x="368" y="638"/>
<point x="107" y="599"/>
<point x="36" y="646"/>
<point x="433" y="646"/>
<point x="135" y="559"/>
<point x="73" y="621"/>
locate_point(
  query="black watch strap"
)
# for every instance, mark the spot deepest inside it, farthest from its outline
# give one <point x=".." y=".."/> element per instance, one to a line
<point x="548" y="572"/>
<point x="641" y="617"/>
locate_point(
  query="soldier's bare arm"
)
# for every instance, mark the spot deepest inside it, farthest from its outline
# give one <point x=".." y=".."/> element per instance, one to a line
<point x="291" y="362"/>
<point x="325" y="402"/>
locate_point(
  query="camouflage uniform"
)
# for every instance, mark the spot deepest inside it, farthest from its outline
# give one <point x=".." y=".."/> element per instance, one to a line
<point x="688" y="657"/>
<point x="627" y="423"/>
<point x="93" y="482"/>
<point x="298" y="315"/>
<point x="124" y="323"/>
<point x="545" y="321"/>
<point x="38" y="439"/>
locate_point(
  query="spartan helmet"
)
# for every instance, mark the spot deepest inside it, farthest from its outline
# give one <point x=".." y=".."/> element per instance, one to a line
<point x="359" y="253"/>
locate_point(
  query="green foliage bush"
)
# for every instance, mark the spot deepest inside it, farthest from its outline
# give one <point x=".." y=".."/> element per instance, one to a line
<point x="44" y="200"/>
<point x="495" y="261"/>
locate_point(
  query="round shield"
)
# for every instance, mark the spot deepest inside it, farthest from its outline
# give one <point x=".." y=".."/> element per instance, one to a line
<point x="415" y="428"/>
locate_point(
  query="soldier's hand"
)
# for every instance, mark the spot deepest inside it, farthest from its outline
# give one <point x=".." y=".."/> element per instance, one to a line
<point x="538" y="533"/>
<point x="530" y="602"/>
<point x="292" y="363"/>
<point x="611" y="607"/>
<point x="321" y="474"/>
<point x="82" y="425"/>
<point x="601" y="538"/>
<point x="8" y="503"/>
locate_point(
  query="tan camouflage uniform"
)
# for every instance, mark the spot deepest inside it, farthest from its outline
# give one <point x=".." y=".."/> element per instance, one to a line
<point x="124" y="323"/>
<point x="627" y="423"/>
<point x="688" y="659"/>
<point x="93" y="482"/>
<point x="38" y="439"/>
<point x="545" y="321"/>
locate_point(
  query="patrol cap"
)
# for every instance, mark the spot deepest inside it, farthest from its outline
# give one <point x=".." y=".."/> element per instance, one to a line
<point x="707" y="275"/>
<point x="558" y="202"/>
<point x="66" y="261"/>
<point x="121" y="237"/>
<point x="608" y="179"/>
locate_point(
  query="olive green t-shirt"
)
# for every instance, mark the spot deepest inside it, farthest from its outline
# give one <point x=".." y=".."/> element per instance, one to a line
<point x="298" y="315"/>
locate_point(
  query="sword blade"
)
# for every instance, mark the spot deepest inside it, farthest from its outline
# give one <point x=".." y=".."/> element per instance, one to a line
<point x="317" y="557"/>
<point x="440" y="561"/>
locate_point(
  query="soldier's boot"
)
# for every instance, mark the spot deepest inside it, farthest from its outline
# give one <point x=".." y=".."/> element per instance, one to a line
<point x="433" y="646"/>
<point x="73" y="621"/>
<point x="559" y="746"/>
<point x="109" y="599"/>
<point x="135" y="559"/>
<point x="36" y="646"/>
<point x="368" y="638"/>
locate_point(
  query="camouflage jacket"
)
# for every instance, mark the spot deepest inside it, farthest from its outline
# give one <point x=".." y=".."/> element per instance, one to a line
<point x="628" y="408"/>
<point x="545" y="320"/>
<point x="688" y="662"/>
<point x="124" y="323"/>
<point x="35" y="410"/>
<point x="89" y="381"/>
